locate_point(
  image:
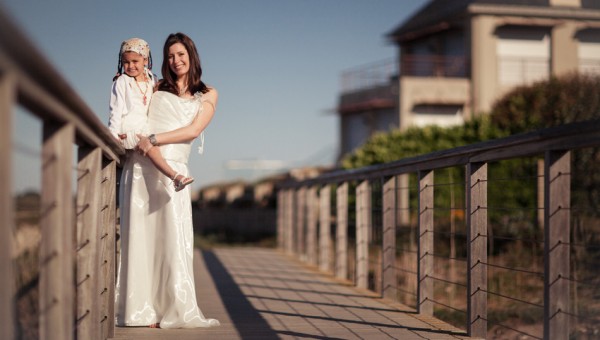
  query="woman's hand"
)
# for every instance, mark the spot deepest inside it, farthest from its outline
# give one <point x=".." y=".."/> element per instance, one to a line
<point x="144" y="145"/>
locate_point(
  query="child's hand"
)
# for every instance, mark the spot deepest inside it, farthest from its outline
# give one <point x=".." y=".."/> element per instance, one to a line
<point x="143" y="145"/>
<point x="120" y="139"/>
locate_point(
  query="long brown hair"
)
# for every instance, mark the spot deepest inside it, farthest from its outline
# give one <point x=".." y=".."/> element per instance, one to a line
<point x="168" y="83"/>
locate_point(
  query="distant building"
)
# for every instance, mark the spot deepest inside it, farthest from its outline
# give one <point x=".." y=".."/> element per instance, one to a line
<point x="458" y="56"/>
<point x="242" y="211"/>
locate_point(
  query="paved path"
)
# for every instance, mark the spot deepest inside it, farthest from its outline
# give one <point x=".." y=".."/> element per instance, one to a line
<point x="261" y="293"/>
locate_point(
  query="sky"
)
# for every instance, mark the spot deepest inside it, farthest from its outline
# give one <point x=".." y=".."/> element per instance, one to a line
<point x="276" y="64"/>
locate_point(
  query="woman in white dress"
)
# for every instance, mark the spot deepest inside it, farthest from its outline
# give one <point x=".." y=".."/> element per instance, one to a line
<point x="155" y="281"/>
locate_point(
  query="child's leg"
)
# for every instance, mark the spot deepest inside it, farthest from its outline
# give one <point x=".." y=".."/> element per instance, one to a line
<point x="159" y="162"/>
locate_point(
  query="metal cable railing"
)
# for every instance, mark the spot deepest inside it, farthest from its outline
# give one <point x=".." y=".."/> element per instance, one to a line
<point x="463" y="233"/>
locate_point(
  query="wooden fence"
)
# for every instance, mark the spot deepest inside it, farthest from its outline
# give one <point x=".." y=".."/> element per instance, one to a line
<point x="77" y="252"/>
<point x="304" y="220"/>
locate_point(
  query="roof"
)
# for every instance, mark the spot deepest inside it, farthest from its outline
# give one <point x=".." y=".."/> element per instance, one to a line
<point x="436" y="12"/>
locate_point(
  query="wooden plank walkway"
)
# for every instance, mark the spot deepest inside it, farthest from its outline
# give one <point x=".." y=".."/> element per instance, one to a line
<point x="261" y="293"/>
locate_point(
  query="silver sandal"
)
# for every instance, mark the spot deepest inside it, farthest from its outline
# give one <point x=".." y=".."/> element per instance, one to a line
<point x="180" y="184"/>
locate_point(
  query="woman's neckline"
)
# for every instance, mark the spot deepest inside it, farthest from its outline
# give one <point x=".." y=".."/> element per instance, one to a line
<point x="196" y="95"/>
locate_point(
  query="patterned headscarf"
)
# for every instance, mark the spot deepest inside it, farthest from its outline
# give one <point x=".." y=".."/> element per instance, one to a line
<point x="136" y="45"/>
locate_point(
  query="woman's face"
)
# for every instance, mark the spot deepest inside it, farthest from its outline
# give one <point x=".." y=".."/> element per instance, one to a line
<point x="179" y="59"/>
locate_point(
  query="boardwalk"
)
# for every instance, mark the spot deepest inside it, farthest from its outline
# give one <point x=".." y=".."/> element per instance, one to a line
<point x="545" y="283"/>
<point x="263" y="294"/>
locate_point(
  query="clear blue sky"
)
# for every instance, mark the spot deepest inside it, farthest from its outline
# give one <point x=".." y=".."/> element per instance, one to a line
<point x="276" y="64"/>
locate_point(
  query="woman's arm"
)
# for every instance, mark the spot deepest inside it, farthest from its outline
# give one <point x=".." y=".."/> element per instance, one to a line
<point x="200" y="122"/>
<point x="186" y="133"/>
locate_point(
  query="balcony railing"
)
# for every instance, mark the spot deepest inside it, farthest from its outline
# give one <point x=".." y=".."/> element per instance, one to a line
<point x="369" y="75"/>
<point x="434" y="66"/>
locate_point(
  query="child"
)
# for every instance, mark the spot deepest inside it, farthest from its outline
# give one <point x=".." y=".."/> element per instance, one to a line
<point x="129" y="101"/>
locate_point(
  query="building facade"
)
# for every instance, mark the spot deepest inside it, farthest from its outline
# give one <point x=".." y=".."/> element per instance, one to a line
<point x="458" y="57"/>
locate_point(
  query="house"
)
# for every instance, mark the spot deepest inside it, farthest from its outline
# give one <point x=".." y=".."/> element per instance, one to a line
<point x="240" y="211"/>
<point x="458" y="56"/>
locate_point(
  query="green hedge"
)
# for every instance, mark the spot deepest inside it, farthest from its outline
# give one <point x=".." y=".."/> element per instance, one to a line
<point x="547" y="103"/>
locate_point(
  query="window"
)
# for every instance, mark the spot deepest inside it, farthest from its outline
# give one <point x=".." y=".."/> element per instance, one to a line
<point x="523" y="55"/>
<point x="435" y="114"/>
<point x="589" y="51"/>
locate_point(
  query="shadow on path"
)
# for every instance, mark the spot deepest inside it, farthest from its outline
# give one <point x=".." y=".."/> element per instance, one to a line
<point x="247" y="320"/>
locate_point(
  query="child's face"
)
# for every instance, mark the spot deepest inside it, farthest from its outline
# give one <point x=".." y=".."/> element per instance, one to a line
<point x="133" y="64"/>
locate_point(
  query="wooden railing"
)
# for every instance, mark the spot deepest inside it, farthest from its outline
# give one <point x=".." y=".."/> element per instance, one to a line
<point x="77" y="251"/>
<point x="305" y="221"/>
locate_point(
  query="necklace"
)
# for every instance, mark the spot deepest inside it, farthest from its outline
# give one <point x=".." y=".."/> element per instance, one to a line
<point x="182" y="91"/>
<point x="143" y="92"/>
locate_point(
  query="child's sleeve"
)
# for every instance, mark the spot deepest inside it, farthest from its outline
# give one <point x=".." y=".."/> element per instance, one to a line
<point x="116" y="106"/>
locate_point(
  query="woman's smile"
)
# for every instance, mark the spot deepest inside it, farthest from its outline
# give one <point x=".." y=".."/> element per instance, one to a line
<point x="179" y="59"/>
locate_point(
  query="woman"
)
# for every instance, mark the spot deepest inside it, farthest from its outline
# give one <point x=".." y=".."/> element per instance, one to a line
<point x="155" y="283"/>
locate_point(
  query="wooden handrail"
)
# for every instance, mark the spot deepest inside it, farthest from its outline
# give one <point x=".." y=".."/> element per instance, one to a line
<point x="80" y="273"/>
<point x="564" y="137"/>
<point x="43" y="91"/>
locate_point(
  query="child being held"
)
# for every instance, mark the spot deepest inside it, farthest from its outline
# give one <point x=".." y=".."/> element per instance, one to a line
<point x="129" y="100"/>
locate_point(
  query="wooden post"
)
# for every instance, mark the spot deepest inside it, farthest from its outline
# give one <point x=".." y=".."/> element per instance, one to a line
<point x="7" y="217"/>
<point x="311" y="225"/>
<point x="556" y="246"/>
<point x="425" y="266"/>
<point x="107" y="249"/>
<point x="390" y="280"/>
<point x="88" y="242"/>
<point x="280" y="217"/>
<point x="402" y="200"/>
<point x="289" y="221"/>
<point x="325" y="228"/>
<point x="540" y="193"/>
<point x="363" y="225"/>
<point x="341" y="237"/>
<point x="57" y="286"/>
<point x="476" y="197"/>
<point x="301" y="223"/>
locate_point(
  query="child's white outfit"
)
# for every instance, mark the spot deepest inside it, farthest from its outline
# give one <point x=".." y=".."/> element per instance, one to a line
<point x="127" y="112"/>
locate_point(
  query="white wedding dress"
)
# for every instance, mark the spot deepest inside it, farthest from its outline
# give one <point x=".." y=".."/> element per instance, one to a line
<point x="155" y="279"/>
